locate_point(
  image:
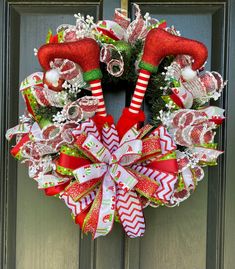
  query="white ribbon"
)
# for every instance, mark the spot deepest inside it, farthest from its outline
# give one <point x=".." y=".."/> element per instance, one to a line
<point x="114" y="164"/>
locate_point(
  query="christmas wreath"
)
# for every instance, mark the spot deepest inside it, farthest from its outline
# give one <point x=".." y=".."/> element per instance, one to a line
<point x="106" y="172"/>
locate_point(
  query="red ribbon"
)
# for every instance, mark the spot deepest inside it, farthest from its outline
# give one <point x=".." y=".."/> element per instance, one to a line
<point x="72" y="162"/>
<point x="176" y="100"/>
<point x="16" y="149"/>
<point x="79" y="219"/>
<point x="169" y="166"/>
<point x="51" y="191"/>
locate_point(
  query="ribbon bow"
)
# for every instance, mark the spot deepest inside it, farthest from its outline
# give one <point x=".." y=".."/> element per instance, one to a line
<point x="112" y="164"/>
<point x="119" y="177"/>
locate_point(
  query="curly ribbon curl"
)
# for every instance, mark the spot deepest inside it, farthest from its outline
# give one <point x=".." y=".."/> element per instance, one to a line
<point x="137" y="29"/>
<point x="114" y="66"/>
<point x="200" y="88"/>
<point x="69" y="71"/>
<point x="195" y="127"/>
<point x="190" y="170"/>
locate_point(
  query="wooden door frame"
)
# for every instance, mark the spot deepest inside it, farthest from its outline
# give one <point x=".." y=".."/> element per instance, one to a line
<point x="221" y="215"/>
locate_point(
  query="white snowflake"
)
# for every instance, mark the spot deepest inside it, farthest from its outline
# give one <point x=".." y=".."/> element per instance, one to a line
<point x="165" y="117"/>
<point x="59" y="118"/>
<point x="90" y="20"/>
<point x="79" y="16"/>
<point x="84" y="26"/>
<point x="66" y="85"/>
<point x="170" y="105"/>
<point x="216" y="95"/>
<point x="193" y="158"/>
<point x="35" y="51"/>
<point x="147" y="18"/>
<point x="24" y="119"/>
<point x="74" y="89"/>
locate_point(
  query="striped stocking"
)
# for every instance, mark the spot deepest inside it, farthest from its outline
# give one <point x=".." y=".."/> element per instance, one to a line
<point x="140" y="90"/>
<point x="97" y="92"/>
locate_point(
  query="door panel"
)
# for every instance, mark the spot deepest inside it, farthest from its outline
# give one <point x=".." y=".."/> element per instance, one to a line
<point x="46" y="236"/>
<point x="178" y="237"/>
<point x="176" y="234"/>
<point x="45" y="231"/>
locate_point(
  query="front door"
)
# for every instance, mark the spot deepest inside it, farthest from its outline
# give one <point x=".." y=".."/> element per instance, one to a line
<point x="38" y="232"/>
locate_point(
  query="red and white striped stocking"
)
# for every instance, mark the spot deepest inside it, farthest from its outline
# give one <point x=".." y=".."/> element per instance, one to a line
<point x="97" y="92"/>
<point x="140" y="89"/>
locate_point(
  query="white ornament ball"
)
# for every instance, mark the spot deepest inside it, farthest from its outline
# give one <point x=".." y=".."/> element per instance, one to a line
<point x="188" y="73"/>
<point x="52" y="76"/>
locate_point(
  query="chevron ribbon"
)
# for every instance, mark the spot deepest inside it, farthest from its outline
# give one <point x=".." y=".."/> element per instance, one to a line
<point x="166" y="182"/>
<point x="166" y="188"/>
<point x="87" y="127"/>
<point x="166" y="141"/>
<point x="110" y="137"/>
<point x="151" y="173"/>
<point x="130" y="213"/>
<point x="81" y="205"/>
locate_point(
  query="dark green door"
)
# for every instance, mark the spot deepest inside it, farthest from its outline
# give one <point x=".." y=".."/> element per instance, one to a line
<point x="37" y="231"/>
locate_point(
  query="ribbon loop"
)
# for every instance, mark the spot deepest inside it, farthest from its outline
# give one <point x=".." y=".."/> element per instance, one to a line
<point x="96" y="148"/>
<point x="90" y="171"/>
<point x="128" y="153"/>
<point x="131" y="134"/>
<point x="107" y="208"/>
<point x="124" y="179"/>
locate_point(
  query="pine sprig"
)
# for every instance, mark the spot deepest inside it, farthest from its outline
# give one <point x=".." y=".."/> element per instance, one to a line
<point x="155" y="92"/>
<point x="47" y="112"/>
<point x="129" y="75"/>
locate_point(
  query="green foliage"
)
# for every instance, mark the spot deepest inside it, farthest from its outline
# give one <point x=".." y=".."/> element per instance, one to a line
<point x="155" y="91"/>
<point x="129" y="75"/>
<point x="47" y="112"/>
